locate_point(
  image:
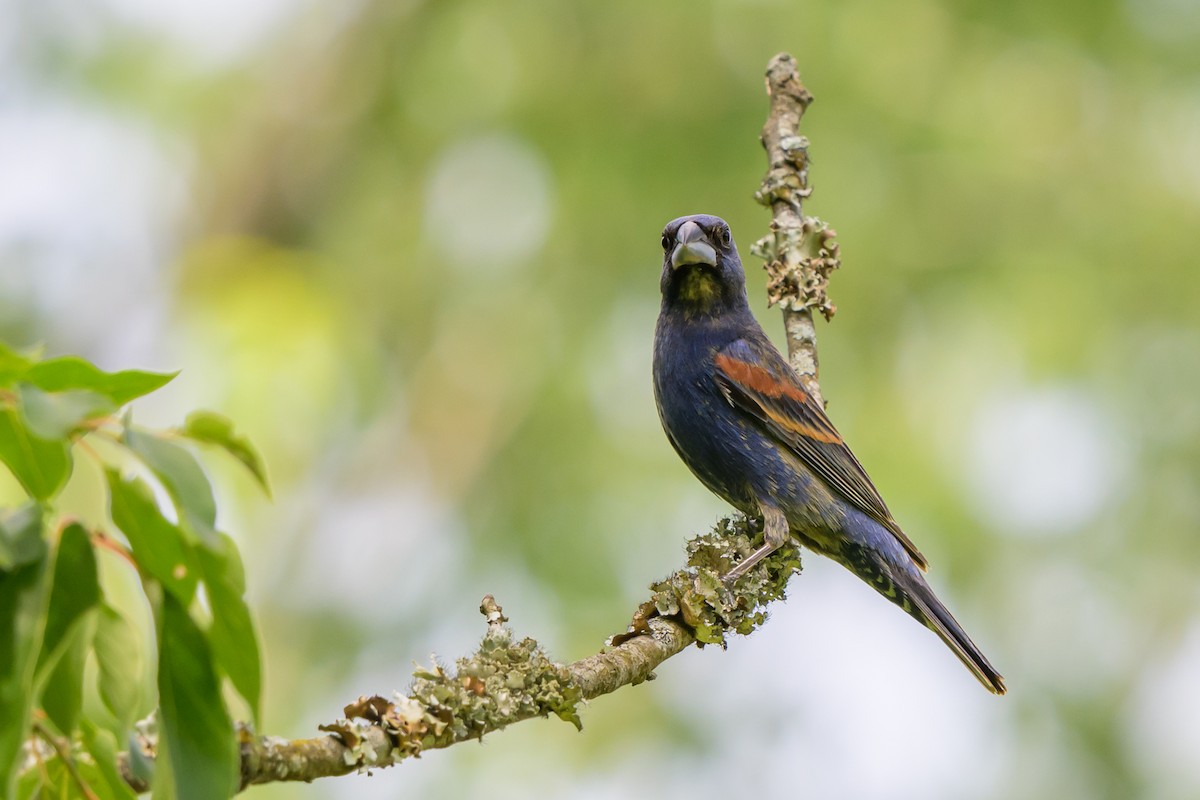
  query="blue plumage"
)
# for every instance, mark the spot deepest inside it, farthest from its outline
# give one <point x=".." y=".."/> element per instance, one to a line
<point x="741" y="420"/>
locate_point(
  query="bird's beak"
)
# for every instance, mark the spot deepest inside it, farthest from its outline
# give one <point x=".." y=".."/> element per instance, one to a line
<point x="692" y="247"/>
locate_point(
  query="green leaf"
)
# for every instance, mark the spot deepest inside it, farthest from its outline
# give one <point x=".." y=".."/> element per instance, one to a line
<point x="56" y="415"/>
<point x="51" y="780"/>
<point x="97" y="782"/>
<point x="75" y="590"/>
<point x="213" y="428"/>
<point x="62" y="692"/>
<point x="13" y="366"/>
<point x="21" y="540"/>
<point x="184" y="480"/>
<point x="200" y="738"/>
<point x="158" y="547"/>
<point x="103" y="747"/>
<point x="41" y="465"/>
<point x="22" y="622"/>
<point x="163" y="785"/>
<point x="118" y="654"/>
<point x="232" y="634"/>
<point x="72" y="372"/>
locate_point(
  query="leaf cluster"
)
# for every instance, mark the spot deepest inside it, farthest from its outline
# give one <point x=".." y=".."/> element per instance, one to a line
<point x="71" y="657"/>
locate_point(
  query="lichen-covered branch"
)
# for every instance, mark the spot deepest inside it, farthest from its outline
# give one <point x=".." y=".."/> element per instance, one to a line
<point x="509" y="680"/>
<point x="800" y="251"/>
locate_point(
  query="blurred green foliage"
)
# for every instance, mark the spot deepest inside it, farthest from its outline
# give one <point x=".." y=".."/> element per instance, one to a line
<point x="416" y="259"/>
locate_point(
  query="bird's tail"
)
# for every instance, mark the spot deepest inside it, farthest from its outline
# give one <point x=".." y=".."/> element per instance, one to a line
<point x="938" y="618"/>
<point x="906" y="587"/>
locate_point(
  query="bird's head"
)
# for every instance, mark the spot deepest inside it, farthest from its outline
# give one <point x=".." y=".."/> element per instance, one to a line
<point x="702" y="273"/>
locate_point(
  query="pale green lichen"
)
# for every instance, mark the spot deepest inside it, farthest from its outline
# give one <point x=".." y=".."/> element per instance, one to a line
<point x="502" y="682"/>
<point x="705" y="603"/>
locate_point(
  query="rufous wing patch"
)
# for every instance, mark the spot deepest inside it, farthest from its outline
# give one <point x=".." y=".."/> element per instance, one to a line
<point x="760" y="384"/>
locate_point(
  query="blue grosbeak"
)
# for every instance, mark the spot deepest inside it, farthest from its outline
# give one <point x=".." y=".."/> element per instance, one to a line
<point x="742" y="421"/>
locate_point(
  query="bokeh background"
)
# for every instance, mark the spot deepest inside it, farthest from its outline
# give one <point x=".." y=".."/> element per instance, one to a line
<point x="412" y="248"/>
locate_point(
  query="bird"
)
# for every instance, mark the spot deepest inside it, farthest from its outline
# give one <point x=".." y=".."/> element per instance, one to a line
<point x="742" y="421"/>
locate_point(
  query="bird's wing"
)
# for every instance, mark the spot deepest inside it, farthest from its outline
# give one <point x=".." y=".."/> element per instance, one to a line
<point x="755" y="379"/>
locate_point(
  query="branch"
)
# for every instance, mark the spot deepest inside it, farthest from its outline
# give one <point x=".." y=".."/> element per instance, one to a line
<point x="507" y="680"/>
<point x="800" y="251"/>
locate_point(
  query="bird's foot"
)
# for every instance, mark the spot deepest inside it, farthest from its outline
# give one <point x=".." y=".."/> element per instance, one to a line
<point x="775" y="534"/>
<point x="749" y="563"/>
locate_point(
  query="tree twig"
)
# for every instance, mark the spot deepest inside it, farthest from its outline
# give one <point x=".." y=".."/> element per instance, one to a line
<point x="63" y="749"/>
<point x="800" y="251"/>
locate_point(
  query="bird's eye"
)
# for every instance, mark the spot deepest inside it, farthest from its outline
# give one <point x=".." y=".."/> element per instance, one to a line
<point x="726" y="237"/>
<point x="666" y="242"/>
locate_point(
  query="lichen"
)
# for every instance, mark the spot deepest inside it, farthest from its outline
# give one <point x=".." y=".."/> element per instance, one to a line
<point x="798" y="264"/>
<point x="503" y="682"/>
<point x="704" y="602"/>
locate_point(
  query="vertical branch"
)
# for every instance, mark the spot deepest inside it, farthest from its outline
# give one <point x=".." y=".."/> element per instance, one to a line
<point x="800" y="251"/>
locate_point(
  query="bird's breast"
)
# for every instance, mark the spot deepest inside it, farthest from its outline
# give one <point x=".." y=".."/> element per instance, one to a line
<point x="728" y="450"/>
<point x="713" y="440"/>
